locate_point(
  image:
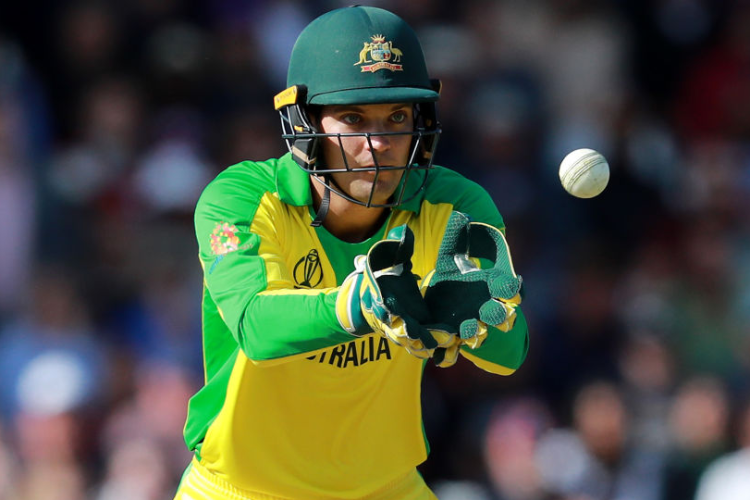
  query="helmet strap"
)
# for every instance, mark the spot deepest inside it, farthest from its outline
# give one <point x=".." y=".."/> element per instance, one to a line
<point x="325" y="204"/>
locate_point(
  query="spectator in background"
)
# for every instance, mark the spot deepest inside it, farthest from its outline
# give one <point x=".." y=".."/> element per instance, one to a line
<point x="728" y="477"/>
<point x="87" y="180"/>
<point x="173" y="171"/>
<point x="706" y="336"/>
<point x="51" y="360"/>
<point x="135" y="471"/>
<point x="714" y="96"/>
<point x="648" y="378"/>
<point x="54" y="373"/>
<point x="17" y="215"/>
<point x="22" y="139"/>
<point x="579" y="51"/>
<point x="51" y="446"/>
<point x="148" y="418"/>
<point x="595" y="460"/>
<point x="513" y="434"/>
<point x="87" y="44"/>
<point x="698" y="420"/>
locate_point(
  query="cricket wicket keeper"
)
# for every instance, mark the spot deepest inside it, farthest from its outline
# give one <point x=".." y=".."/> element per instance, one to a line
<point x="333" y="274"/>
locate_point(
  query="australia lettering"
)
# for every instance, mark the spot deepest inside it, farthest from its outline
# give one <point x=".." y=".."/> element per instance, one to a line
<point x="356" y="352"/>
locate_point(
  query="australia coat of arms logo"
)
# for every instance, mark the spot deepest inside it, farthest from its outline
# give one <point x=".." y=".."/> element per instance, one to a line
<point x="381" y="54"/>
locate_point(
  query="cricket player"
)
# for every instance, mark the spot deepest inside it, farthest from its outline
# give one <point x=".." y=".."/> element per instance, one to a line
<point x="333" y="274"/>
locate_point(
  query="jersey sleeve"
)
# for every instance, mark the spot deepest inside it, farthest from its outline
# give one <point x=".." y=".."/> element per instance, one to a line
<point x="246" y="278"/>
<point x="502" y="352"/>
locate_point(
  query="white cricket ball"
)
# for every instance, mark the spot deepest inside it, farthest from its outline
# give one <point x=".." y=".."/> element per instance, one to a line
<point x="584" y="173"/>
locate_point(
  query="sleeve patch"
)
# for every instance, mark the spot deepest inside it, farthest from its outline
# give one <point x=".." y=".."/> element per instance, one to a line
<point x="227" y="238"/>
<point x="224" y="239"/>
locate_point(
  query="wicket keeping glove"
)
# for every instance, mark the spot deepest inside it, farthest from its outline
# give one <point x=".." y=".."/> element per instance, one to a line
<point x="461" y="294"/>
<point x="382" y="295"/>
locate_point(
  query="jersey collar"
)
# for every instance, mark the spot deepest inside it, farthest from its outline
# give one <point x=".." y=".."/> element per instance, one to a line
<point x="293" y="185"/>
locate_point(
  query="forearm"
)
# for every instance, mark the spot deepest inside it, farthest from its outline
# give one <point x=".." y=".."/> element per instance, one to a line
<point x="270" y="325"/>
<point x="286" y="323"/>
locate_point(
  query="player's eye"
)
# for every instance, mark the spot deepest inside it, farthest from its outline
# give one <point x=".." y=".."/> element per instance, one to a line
<point x="399" y="117"/>
<point x="351" y="119"/>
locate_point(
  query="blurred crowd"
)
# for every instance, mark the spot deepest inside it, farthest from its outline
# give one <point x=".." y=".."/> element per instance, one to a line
<point x="114" y="115"/>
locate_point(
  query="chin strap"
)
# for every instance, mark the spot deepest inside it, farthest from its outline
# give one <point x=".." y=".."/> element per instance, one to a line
<point x="325" y="204"/>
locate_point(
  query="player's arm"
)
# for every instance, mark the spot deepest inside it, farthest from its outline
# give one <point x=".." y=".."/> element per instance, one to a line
<point x="501" y="351"/>
<point x="248" y="281"/>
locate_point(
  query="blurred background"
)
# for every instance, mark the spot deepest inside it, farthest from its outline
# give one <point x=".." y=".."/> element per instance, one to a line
<point x="114" y="115"/>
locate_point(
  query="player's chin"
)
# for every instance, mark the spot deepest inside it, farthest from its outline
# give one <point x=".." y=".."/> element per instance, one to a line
<point x="381" y="192"/>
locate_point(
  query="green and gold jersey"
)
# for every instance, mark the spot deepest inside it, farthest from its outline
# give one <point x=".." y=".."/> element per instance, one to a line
<point x="293" y="406"/>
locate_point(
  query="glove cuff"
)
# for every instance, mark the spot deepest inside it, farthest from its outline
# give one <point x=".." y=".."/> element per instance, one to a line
<point x="348" y="305"/>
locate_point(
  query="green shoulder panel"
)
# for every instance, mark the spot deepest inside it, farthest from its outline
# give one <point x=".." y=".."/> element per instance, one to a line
<point x="234" y="195"/>
<point x="448" y="186"/>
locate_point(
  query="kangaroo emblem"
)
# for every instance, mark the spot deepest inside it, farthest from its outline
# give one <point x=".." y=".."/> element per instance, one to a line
<point x="363" y="54"/>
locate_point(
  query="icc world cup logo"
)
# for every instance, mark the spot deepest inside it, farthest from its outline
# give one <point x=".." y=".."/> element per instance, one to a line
<point x="308" y="273"/>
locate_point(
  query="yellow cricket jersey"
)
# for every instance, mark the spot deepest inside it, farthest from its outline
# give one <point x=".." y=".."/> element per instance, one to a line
<point x="293" y="406"/>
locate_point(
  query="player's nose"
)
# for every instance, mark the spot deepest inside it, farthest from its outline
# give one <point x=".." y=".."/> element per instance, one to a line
<point x="377" y="142"/>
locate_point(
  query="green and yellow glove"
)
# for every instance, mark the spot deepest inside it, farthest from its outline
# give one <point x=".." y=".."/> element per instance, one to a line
<point x="465" y="296"/>
<point x="381" y="295"/>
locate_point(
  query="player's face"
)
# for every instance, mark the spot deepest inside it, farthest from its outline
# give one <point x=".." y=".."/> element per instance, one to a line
<point x="360" y="153"/>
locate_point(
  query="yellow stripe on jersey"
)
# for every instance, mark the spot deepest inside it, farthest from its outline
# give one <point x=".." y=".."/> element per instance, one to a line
<point x="487" y="365"/>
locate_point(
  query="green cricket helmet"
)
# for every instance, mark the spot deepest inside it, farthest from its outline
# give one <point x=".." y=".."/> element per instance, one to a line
<point x="358" y="55"/>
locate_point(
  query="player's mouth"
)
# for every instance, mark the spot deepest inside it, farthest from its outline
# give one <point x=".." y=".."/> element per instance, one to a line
<point x="373" y="172"/>
<point x="374" y="168"/>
